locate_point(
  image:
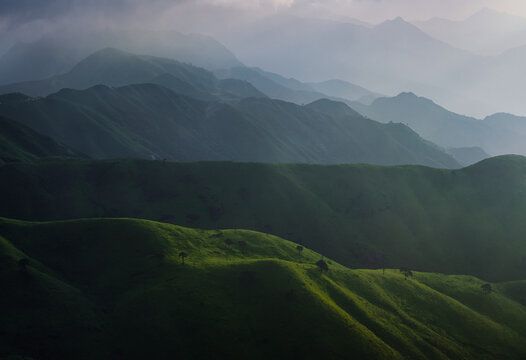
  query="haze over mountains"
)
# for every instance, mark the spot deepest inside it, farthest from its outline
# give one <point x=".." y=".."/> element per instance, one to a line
<point x="468" y="139"/>
<point x="165" y="120"/>
<point x="18" y="143"/>
<point x="262" y="179"/>
<point x="498" y="134"/>
<point x="487" y="32"/>
<point x="58" y="52"/>
<point x="391" y="57"/>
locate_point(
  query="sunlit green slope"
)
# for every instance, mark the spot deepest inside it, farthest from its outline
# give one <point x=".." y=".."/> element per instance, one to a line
<point x="468" y="221"/>
<point x="117" y="288"/>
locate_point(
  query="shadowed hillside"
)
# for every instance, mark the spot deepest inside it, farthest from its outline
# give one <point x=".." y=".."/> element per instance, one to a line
<point x="151" y="121"/>
<point x="465" y="221"/>
<point x="20" y="143"/>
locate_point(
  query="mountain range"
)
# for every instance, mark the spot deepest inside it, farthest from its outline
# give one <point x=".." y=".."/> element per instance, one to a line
<point x="164" y="200"/>
<point x="114" y="67"/>
<point x="391" y="57"/>
<point x="60" y="51"/>
<point x="498" y="134"/>
<point x="152" y="121"/>
<point x="487" y="32"/>
<point x="466" y="139"/>
<point x="292" y="90"/>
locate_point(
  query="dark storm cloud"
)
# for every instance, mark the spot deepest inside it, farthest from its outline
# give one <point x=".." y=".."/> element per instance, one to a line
<point x="31" y="9"/>
<point x="22" y="11"/>
<point x="28" y="20"/>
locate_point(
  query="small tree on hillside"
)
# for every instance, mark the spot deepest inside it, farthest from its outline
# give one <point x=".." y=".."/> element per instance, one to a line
<point x="322" y="265"/>
<point x="486" y="288"/>
<point x="299" y="248"/>
<point x="182" y="255"/>
<point x="407" y="272"/>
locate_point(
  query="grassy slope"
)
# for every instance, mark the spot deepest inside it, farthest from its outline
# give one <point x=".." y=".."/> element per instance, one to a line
<point x="465" y="221"/>
<point x="116" y="287"/>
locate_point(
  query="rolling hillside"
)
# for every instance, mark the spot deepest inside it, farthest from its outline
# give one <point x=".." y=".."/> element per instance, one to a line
<point x="467" y="221"/>
<point x="117" y="288"/>
<point x="151" y="121"/>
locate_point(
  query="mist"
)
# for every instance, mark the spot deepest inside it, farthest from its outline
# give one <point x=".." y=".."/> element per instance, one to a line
<point x="262" y="179"/>
<point x="311" y="41"/>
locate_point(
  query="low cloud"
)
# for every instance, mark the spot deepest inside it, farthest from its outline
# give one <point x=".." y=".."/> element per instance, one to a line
<point x="23" y="20"/>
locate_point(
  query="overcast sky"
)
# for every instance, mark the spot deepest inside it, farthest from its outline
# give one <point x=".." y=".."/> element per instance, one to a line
<point x="378" y="10"/>
<point x="26" y="19"/>
<point x="19" y="11"/>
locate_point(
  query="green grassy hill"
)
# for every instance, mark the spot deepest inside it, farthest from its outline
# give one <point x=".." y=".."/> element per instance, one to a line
<point x="113" y="288"/>
<point x="467" y="221"/>
<point x="20" y="143"/>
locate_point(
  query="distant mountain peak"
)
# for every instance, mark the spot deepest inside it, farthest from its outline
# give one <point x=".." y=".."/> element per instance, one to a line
<point x="397" y="21"/>
<point x="107" y="52"/>
<point x="410" y="99"/>
<point x="407" y="94"/>
<point x="489" y="16"/>
<point x="488" y="12"/>
<point x="410" y="96"/>
<point x="399" y="26"/>
<point x="332" y="108"/>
